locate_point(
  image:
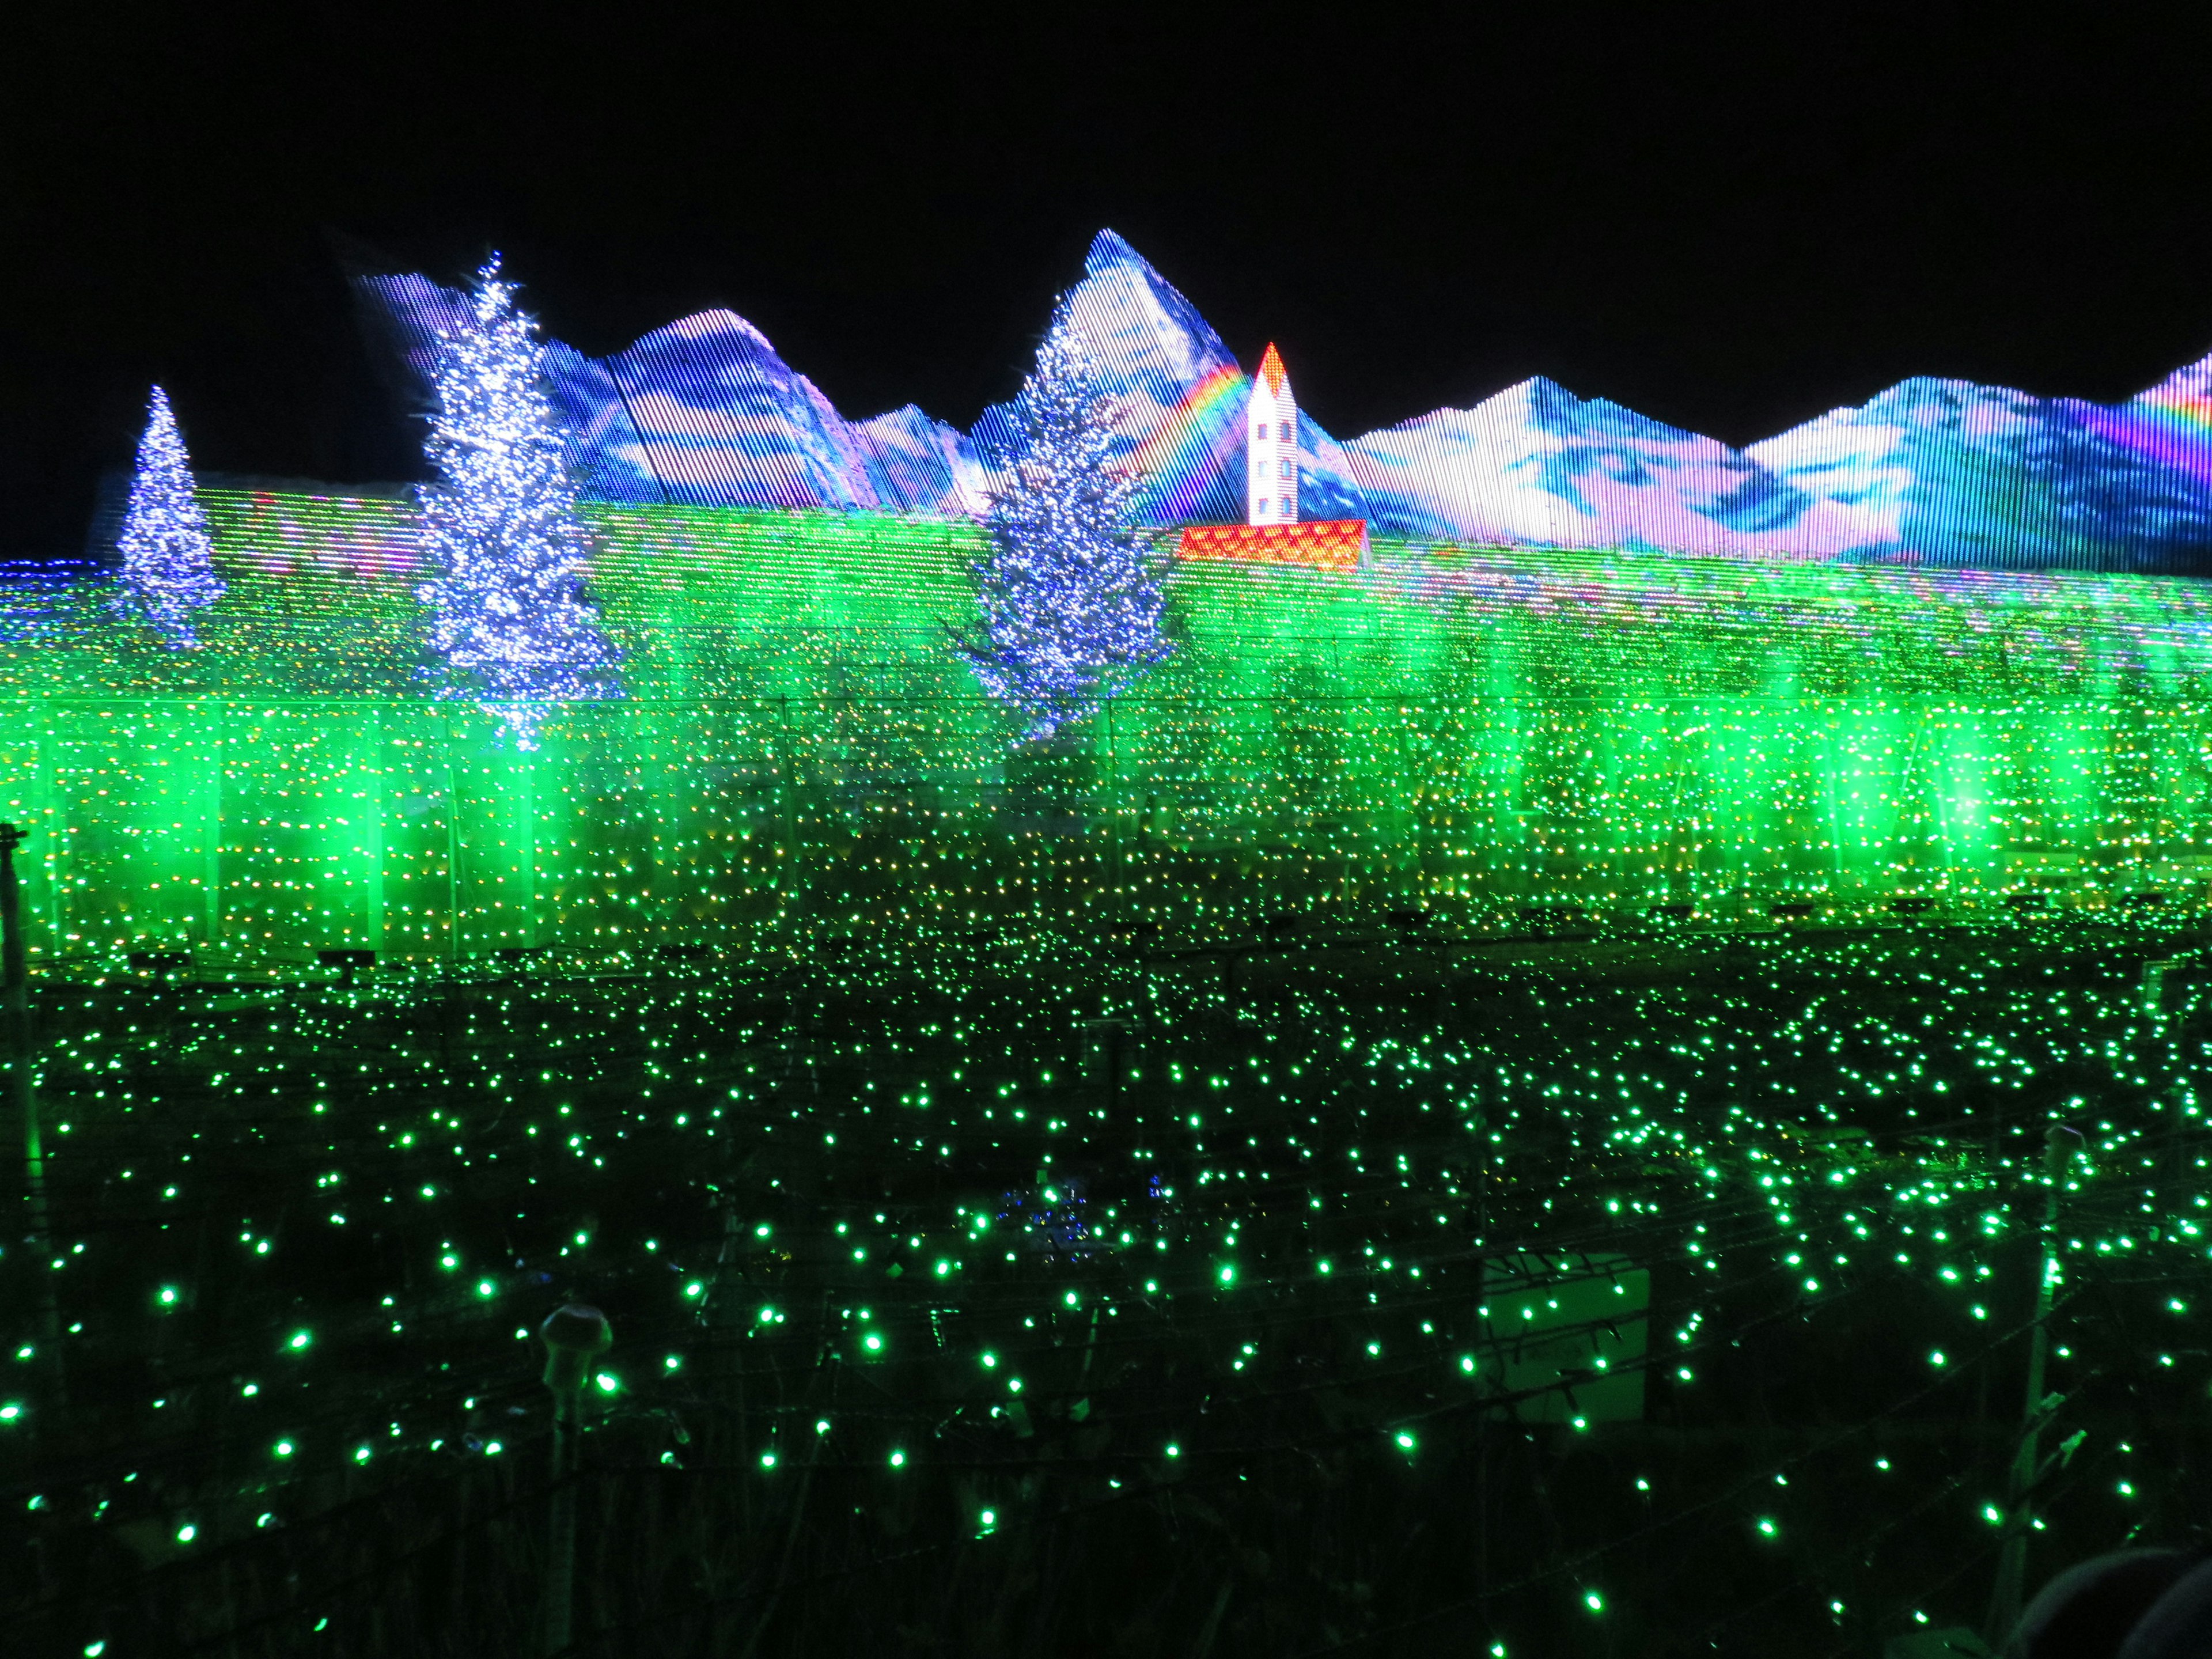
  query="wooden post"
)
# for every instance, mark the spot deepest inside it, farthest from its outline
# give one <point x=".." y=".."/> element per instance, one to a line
<point x="575" y="1335"/>
<point x="23" y="1099"/>
<point x="2059" y="1144"/>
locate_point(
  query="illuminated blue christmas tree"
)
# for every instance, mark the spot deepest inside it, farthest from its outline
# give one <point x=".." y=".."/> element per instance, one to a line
<point x="1069" y="600"/>
<point x="168" y="571"/>
<point x="509" y="615"/>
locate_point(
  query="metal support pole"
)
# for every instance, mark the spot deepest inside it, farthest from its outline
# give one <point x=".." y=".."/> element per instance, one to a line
<point x="2059" y="1144"/>
<point x="23" y="1099"/>
<point x="575" y="1335"/>
<point x="561" y="1530"/>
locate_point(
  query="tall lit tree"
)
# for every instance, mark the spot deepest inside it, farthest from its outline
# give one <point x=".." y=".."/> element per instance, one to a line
<point x="169" y="570"/>
<point x="1068" y="597"/>
<point x="509" y="615"/>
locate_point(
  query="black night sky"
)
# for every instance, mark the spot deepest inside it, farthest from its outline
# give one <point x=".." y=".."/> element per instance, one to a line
<point x="1730" y="219"/>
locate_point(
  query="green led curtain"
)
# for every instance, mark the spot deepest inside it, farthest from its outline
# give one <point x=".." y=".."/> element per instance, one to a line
<point x="798" y="756"/>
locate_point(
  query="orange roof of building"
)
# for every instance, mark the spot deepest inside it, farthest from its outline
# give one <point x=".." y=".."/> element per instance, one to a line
<point x="1271" y="370"/>
<point x="1325" y="543"/>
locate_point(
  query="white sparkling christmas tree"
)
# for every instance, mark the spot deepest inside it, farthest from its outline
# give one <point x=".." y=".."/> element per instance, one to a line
<point x="1068" y="598"/>
<point x="169" y="570"/>
<point x="508" y="616"/>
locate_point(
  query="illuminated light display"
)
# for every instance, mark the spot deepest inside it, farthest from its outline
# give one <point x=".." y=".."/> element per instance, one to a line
<point x="703" y="412"/>
<point x="1270" y="445"/>
<point x="1929" y="471"/>
<point x="507" y="616"/>
<point x="1411" y="1017"/>
<point x="168" y="571"/>
<point x="1068" y="601"/>
<point x="1745" y="1224"/>
<point x="1325" y="543"/>
<point x="1615" y="732"/>
<point x="1188" y="454"/>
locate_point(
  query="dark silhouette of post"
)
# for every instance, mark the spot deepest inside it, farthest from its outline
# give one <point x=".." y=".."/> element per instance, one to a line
<point x="575" y="1335"/>
<point x="23" y="1099"/>
<point x="2059" y="1144"/>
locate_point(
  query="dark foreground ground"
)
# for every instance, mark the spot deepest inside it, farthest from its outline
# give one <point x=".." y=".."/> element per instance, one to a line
<point x="1369" y="1292"/>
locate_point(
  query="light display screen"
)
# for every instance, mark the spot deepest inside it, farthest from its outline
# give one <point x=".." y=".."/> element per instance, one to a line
<point x="1102" y="1151"/>
<point x="1929" y="471"/>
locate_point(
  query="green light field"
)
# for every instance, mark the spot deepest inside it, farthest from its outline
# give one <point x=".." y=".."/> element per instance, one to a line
<point x="797" y="753"/>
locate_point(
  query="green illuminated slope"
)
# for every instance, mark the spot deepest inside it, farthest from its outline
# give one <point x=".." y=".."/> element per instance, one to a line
<point x="798" y="746"/>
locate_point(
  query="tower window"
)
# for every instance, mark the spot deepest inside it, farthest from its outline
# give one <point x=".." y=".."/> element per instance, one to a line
<point x="1261" y="430"/>
<point x="1260" y="508"/>
<point x="1287" y="506"/>
<point x="1284" y="432"/>
<point x="1283" y="469"/>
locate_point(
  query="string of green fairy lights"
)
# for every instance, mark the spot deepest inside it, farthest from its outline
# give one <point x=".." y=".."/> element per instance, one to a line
<point x="1348" y="1169"/>
<point x="1198" y="1099"/>
<point x="798" y="748"/>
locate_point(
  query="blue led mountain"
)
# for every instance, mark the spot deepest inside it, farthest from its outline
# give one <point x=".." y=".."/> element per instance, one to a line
<point x="1930" y="471"/>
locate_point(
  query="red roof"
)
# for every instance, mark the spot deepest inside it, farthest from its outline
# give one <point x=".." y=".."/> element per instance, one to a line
<point x="1271" y="370"/>
<point x="1325" y="543"/>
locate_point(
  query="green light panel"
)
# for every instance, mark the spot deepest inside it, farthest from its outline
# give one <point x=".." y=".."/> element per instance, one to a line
<point x="799" y="754"/>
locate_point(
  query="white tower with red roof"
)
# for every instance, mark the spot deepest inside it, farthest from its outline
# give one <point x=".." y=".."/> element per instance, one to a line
<point x="1271" y="482"/>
